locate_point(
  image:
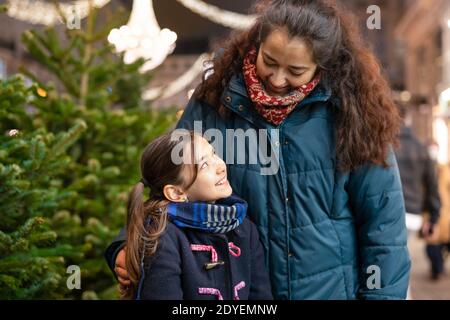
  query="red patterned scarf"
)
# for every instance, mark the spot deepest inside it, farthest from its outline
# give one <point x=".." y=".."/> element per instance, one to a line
<point x="273" y="108"/>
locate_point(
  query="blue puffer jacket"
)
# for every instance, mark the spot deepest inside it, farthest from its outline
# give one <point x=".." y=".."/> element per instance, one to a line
<point x="326" y="234"/>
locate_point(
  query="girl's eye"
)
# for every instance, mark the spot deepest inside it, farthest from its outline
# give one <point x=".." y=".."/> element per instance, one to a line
<point x="204" y="165"/>
<point x="269" y="64"/>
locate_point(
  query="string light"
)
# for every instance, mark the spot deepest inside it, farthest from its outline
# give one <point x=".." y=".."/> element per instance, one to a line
<point x="13" y="132"/>
<point x="41" y="92"/>
<point x="182" y="82"/>
<point x="405" y="96"/>
<point x="226" y="18"/>
<point x="42" y="12"/>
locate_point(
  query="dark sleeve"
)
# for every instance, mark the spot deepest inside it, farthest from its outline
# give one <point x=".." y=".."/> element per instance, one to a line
<point x="260" y="288"/>
<point x="114" y="248"/>
<point x="432" y="198"/>
<point x="162" y="279"/>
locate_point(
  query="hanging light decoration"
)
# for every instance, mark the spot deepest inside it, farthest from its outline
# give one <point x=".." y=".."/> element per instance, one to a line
<point x="142" y="37"/>
<point x="226" y="18"/>
<point x="45" y="12"/>
<point x="180" y="83"/>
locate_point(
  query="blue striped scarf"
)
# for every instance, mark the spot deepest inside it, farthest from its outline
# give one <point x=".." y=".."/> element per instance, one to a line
<point x="220" y="217"/>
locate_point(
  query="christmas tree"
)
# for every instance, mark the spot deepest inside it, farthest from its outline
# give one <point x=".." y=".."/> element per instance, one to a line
<point x="87" y="187"/>
<point x="31" y="262"/>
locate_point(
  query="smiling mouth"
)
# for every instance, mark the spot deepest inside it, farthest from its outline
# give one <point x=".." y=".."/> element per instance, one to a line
<point x="222" y="181"/>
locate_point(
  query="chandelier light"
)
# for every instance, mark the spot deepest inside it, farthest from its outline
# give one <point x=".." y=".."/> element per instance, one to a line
<point x="142" y="37"/>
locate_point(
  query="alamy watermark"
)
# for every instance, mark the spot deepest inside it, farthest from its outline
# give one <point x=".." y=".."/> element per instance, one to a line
<point x="374" y="280"/>
<point x="74" y="20"/>
<point x="74" y="280"/>
<point x="235" y="146"/>
<point x="374" y="20"/>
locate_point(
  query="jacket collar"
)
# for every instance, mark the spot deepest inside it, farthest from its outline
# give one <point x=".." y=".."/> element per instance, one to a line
<point x="235" y="98"/>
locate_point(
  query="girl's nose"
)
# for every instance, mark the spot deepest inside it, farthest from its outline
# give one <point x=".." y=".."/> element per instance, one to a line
<point x="221" y="166"/>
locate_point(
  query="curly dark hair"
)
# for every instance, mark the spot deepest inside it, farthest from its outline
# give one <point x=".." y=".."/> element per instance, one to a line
<point x="366" y="119"/>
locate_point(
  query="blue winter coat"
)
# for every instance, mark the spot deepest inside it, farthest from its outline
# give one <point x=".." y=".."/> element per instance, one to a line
<point x="178" y="272"/>
<point x="326" y="234"/>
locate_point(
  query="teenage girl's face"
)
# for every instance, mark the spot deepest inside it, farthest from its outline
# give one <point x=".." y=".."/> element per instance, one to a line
<point x="284" y="63"/>
<point x="211" y="183"/>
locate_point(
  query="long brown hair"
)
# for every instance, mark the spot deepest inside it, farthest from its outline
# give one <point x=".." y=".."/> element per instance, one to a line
<point x="146" y="221"/>
<point x="366" y="119"/>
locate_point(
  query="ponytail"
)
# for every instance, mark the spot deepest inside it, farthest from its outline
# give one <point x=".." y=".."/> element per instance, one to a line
<point x="146" y="221"/>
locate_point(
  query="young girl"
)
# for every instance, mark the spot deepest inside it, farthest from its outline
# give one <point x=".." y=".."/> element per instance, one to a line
<point x="190" y="239"/>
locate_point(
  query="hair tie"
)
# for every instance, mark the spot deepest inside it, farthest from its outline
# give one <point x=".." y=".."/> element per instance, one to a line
<point x="144" y="182"/>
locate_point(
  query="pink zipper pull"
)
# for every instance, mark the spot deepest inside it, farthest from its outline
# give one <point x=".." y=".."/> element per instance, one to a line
<point x="234" y="249"/>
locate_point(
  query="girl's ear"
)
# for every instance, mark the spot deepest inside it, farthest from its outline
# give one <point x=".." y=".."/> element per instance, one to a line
<point x="174" y="193"/>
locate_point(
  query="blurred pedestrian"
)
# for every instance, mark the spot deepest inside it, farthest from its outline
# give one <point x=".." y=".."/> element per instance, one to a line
<point x="439" y="242"/>
<point x="420" y="189"/>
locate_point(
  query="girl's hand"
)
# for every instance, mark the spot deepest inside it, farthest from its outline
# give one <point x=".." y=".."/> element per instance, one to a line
<point x="120" y="270"/>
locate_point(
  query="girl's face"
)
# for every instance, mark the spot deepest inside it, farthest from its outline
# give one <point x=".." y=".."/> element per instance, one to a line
<point x="211" y="183"/>
<point x="283" y="63"/>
